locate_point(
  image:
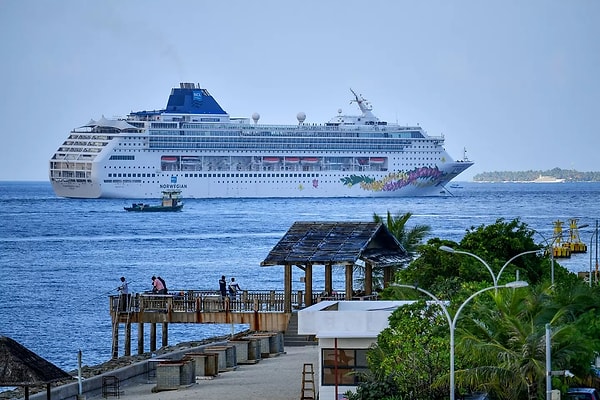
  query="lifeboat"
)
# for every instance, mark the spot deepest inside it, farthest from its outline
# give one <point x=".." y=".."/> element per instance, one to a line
<point x="292" y="160"/>
<point x="271" y="160"/>
<point x="310" y="160"/>
<point x="190" y="159"/>
<point x="377" y="160"/>
<point x="168" y="159"/>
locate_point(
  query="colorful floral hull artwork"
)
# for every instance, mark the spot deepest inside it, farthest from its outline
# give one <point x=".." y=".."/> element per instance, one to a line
<point x="423" y="176"/>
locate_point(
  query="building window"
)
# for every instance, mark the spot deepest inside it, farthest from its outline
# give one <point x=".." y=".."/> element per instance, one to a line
<point x="349" y="361"/>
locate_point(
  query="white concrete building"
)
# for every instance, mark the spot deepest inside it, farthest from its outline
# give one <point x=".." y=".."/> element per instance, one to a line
<point x="346" y="329"/>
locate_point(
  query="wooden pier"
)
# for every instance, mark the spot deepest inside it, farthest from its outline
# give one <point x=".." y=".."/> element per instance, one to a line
<point x="306" y="246"/>
<point x="261" y="310"/>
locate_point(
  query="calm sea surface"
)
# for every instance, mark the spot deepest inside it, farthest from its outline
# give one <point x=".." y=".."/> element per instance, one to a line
<point x="61" y="258"/>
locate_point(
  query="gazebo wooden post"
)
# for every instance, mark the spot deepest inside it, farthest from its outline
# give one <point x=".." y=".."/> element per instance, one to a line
<point x="287" y="289"/>
<point x="349" y="278"/>
<point x="308" y="296"/>
<point x="387" y="276"/>
<point x="328" y="279"/>
<point x="368" y="278"/>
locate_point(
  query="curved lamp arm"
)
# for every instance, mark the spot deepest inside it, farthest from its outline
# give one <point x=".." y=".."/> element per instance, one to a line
<point x="451" y="250"/>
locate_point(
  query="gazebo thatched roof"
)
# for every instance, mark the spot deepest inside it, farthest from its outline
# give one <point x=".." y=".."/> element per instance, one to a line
<point x="322" y="243"/>
<point x="20" y="366"/>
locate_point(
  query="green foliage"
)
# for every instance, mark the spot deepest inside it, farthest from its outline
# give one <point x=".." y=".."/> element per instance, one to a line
<point x="375" y="389"/>
<point x="500" y="336"/>
<point x="495" y="244"/>
<point x="569" y="175"/>
<point x="415" y="351"/>
<point x="408" y="238"/>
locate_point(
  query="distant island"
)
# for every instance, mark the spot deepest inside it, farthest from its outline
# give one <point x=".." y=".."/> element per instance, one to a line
<point x="555" y="175"/>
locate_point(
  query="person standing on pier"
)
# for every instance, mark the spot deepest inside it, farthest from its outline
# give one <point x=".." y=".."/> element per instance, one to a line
<point x="223" y="287"/>
<point x="124" y="294"/>
<point x="233" y="288"/>
<point x="157" y="286"/>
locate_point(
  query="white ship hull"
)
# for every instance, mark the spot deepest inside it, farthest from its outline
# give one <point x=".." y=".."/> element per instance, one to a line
<point x="206" y="154"/>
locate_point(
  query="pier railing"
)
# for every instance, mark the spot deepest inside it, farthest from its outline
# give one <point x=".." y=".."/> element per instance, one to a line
<point x="192" y="301"/>
<point x="204" y="301"/>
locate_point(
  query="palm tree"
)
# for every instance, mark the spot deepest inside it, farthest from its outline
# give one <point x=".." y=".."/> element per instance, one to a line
<point x="408" y="238"/>
<point x="504" y="345"/>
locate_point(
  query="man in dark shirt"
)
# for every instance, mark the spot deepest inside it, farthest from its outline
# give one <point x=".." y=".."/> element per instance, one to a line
<point x="223" y="287"/>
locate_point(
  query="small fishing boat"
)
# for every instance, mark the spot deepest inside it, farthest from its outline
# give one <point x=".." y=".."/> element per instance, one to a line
<point x="171" y="201"/>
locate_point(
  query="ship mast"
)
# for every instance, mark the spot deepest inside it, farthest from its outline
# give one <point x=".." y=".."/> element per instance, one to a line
<point x="363" y="104"/>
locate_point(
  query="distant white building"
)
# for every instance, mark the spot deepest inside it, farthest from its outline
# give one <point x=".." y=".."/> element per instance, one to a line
<point x="348" y="329"/>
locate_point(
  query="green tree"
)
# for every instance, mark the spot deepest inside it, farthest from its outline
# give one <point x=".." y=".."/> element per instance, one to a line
<point x="503" y="343"/>
<point x="409" y="239"/>
<point x="439" y="271"/>
<point x="410" y="355"/>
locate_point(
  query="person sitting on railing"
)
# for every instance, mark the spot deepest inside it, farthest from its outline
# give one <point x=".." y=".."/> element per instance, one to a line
<point x="158" y="285"/>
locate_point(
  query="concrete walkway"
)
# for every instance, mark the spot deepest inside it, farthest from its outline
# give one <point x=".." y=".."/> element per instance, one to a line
<point x="273" y="378"/>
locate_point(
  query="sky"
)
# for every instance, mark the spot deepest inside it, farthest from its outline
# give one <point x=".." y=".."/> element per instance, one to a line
<point x="515" y="83"/>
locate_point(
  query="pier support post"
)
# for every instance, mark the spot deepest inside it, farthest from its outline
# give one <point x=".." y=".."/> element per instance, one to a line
<point x="115" y="340"/>
<point x="165" y="334"/>
<point x="140" y="338"/>
<point x="128" y="339"/>
<point x="153" y="336"/>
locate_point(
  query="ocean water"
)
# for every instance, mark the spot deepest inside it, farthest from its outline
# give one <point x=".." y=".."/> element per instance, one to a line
<point x="61" y="258"/>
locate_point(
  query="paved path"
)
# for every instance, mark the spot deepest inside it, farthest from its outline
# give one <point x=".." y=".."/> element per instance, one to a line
<point x="274" y="378"/>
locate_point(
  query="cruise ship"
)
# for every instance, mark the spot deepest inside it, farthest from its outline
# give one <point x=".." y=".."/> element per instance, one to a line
<point x="194" y="146"/>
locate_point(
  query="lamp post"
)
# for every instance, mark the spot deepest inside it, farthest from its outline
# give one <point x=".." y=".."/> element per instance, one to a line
<point x="595" y="234"/>
<point x="550" y="246"/>
<point x="495" y="278"/>
<point x="452" y="321"/>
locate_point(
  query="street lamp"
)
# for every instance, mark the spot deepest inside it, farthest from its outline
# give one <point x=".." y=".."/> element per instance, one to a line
<point x="595" y="234"/>
<point x="550" y="246"/>
<point x="495" y="278"/>
<point x="452" y="321"/>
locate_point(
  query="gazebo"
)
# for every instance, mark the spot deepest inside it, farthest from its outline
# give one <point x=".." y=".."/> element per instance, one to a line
<point x="335" y="243"/>
<point x="20" y="366"/>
